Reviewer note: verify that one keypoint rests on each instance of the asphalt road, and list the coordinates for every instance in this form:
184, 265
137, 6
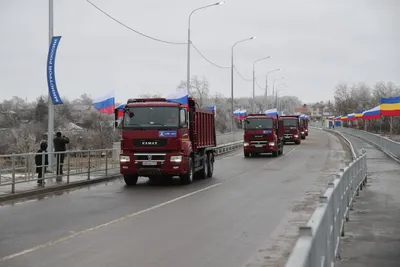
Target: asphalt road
247, 214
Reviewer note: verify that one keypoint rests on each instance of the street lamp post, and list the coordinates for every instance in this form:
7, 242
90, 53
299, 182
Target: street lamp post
254, 79
50, 121
266, 84
273, 85
189, 42
233, 46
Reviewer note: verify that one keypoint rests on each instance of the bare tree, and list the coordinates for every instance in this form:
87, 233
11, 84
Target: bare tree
199, 89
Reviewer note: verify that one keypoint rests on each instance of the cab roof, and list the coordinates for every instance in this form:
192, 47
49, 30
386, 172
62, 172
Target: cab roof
259, 116
153, 104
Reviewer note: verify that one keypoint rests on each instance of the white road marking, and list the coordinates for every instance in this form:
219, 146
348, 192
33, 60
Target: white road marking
50, 243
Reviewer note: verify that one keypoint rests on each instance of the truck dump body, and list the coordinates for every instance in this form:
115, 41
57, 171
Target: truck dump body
202, 132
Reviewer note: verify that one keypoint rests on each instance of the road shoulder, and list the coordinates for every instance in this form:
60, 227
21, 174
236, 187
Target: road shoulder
372, 236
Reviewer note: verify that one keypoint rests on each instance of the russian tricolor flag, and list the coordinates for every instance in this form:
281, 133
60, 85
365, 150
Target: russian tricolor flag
271, 112
372, 114
181, 96
120, 109
242, 114
105, 104
351, 117
214, 108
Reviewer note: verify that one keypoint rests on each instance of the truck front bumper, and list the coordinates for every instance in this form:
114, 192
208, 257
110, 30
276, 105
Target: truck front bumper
291, 137
262, 148
153, 168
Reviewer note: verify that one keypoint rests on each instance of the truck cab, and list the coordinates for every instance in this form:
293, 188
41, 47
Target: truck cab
162, 139
291, 124
263, 134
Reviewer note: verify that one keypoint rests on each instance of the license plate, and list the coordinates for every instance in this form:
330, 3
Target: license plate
149, 163
258, 145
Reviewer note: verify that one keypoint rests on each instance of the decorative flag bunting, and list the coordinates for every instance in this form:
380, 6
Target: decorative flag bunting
181, 96
390, 106
358, 113
372, 114
105, 104
351, 117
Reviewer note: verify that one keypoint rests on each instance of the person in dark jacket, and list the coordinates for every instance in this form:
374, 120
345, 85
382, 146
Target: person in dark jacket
60, 146
41, 166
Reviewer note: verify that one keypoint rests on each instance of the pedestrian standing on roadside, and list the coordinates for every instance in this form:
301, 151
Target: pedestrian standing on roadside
41, 166
60, 147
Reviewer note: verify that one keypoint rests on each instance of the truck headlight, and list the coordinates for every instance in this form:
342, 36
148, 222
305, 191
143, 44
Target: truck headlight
124, 159
302, 132
306, 130
175, 159
295, 136
271, 143
245, 144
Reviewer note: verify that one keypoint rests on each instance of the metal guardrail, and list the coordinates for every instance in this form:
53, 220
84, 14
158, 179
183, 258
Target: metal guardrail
390, 147
78, 165
87, 164
319, 241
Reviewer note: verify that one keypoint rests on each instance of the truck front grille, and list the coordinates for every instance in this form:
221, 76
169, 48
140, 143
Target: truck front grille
149, 157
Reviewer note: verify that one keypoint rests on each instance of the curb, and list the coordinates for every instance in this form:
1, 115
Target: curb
34, 192
55, 188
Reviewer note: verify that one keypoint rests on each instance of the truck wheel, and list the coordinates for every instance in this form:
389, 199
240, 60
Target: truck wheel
204, 172
210, 162
307, 134
187, 178
131, 179
246, 154
280, 151
298, 142
275, 154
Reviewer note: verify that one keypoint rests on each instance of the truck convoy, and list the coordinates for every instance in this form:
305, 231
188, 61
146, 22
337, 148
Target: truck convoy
263, 134
162, 139
291, 124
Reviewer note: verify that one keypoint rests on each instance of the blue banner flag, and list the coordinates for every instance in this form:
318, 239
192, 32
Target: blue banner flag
51, 79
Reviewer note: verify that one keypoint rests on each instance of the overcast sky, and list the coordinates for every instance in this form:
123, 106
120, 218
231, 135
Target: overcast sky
317, 43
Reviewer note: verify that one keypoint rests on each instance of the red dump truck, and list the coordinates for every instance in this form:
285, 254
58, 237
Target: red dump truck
291, 124
263, 134
303, 128
162, 139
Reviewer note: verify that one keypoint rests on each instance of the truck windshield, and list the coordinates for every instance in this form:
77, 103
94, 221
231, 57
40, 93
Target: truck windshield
290, 123
253, 124
151, 118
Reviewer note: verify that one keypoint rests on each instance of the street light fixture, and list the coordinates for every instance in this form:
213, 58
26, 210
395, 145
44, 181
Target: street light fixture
254, 79
189, 42
233, 46
266, 83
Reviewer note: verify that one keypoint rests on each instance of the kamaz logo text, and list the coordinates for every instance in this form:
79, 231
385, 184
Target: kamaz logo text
149, 143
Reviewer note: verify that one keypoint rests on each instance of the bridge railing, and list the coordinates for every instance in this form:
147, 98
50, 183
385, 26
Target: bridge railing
319, 241
385, 144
